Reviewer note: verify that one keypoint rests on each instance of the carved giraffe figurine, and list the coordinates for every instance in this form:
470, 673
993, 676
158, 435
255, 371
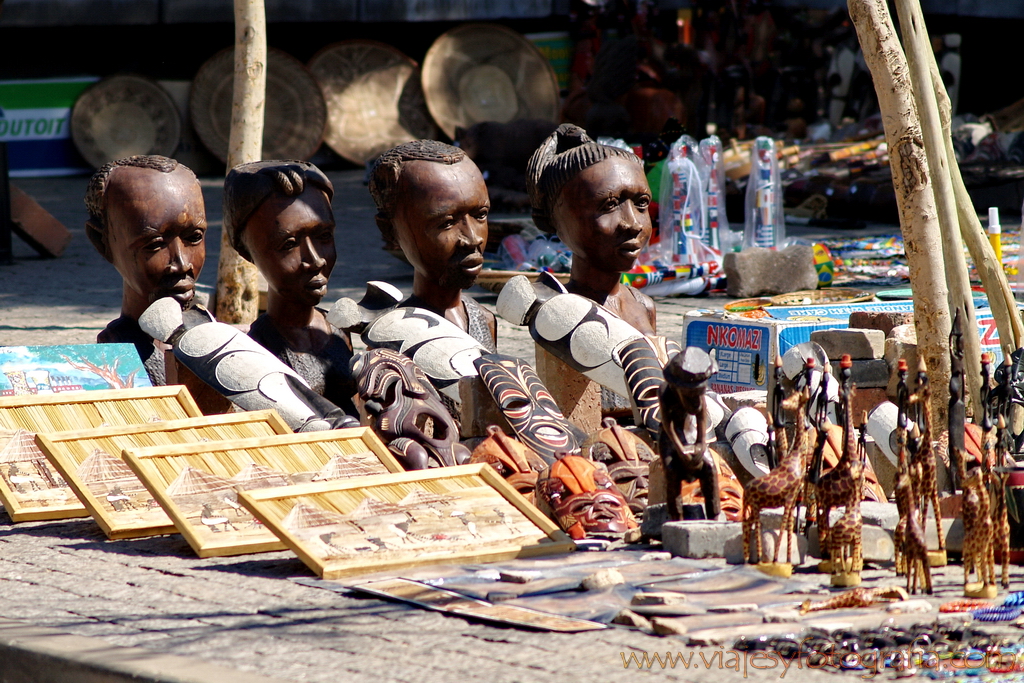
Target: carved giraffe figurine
915, 550
994, 481
901, 464
1000, 520
922, 462
846, 547
837, 486
978, 555
779, 488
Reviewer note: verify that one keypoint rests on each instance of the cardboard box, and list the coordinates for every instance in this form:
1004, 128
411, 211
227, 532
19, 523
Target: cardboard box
746, 348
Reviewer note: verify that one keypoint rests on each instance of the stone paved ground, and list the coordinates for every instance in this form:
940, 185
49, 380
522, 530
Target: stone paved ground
244, 612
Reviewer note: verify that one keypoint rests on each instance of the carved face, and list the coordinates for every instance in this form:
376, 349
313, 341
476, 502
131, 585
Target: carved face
441, 220
583, 499
602, 215
527, 405
627, 459
291, 241
405, 408
156, 226
516, 463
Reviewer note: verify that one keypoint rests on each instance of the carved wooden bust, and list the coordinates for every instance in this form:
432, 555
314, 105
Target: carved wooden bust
432, 200
597, 200
278, 214
147, 218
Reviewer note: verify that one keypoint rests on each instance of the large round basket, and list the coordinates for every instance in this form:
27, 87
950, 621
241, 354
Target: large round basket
122, 116
816, 297
295, 114
485, 72
374, 98
494, 280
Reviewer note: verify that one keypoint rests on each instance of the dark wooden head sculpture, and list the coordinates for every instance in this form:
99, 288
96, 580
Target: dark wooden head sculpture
627, 459
406, 411
516, 463
528, 406
583, 499
684, 453
596, 198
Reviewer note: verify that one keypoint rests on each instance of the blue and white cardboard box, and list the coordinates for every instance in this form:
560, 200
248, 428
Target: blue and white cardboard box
746, 348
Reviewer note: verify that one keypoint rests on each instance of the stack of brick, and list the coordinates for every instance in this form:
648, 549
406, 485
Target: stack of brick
870, 372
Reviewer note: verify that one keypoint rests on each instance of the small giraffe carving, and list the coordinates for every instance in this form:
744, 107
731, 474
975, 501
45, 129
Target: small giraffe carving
915, 550
839, 486
978, 555
922, 456
902, 467
783, 485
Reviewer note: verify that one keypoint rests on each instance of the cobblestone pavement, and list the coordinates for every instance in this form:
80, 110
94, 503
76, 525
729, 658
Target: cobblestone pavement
244, 612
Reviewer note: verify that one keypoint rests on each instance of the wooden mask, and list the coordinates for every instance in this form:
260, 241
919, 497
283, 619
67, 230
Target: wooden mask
516, 463
583, 499
529, 408
406, 411
627, 459
643, 364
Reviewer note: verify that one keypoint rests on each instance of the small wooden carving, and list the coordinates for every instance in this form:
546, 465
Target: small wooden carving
406, 411
583, 499
915, 550
781, 487
682, 444
516, 463
838, 486
627, 458
922, 462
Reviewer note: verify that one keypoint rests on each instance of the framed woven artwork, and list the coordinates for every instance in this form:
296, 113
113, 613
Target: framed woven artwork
30, 488
198, 485
90, 462
382, 523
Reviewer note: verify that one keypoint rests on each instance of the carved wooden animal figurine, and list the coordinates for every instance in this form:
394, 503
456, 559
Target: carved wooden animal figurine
915, 550
902, 464
922, 463
846, 553
838, 486
780, 487
978, 556
1000, 520
684, 452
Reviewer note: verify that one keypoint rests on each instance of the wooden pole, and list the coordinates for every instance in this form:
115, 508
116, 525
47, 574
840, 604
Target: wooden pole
918, 51
237, 289
914, 196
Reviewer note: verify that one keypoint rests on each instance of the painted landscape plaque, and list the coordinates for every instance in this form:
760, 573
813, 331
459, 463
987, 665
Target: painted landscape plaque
35, 490
90, 461
449, 514
41, 370
198, 485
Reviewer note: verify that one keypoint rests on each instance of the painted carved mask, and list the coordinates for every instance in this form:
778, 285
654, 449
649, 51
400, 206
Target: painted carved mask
516, 463
406, 411
643, 363
583, 499
528, 407
627, 458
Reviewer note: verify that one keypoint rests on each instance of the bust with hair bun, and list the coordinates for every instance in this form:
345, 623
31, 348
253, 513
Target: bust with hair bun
596, 199
278, 216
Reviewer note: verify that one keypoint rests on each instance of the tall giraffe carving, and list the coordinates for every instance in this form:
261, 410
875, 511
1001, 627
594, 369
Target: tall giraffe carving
922, 462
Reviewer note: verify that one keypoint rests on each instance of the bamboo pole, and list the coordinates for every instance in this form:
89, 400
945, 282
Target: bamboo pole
918, 51
237, 288
915, 199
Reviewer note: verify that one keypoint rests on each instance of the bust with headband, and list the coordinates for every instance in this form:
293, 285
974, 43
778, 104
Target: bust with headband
596, 199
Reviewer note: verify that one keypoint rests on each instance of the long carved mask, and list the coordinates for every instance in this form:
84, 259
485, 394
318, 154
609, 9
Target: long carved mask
643, 363
528, 407
627, 459
583, 499
406, 411
516, 463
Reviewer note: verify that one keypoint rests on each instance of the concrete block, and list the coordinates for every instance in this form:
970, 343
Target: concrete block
884, 469
755, 398
876, 542
797, 548
860, 344
866, 399
879, 320
756, 271
952, 528
866, 374
901, 343
699, 539
655, 515
884, 515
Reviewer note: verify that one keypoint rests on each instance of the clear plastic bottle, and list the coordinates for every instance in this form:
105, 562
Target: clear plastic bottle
713, 173
764, 224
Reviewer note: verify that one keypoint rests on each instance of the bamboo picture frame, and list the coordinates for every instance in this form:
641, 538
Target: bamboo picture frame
30, 488
90, 462
466, 514
198, 485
